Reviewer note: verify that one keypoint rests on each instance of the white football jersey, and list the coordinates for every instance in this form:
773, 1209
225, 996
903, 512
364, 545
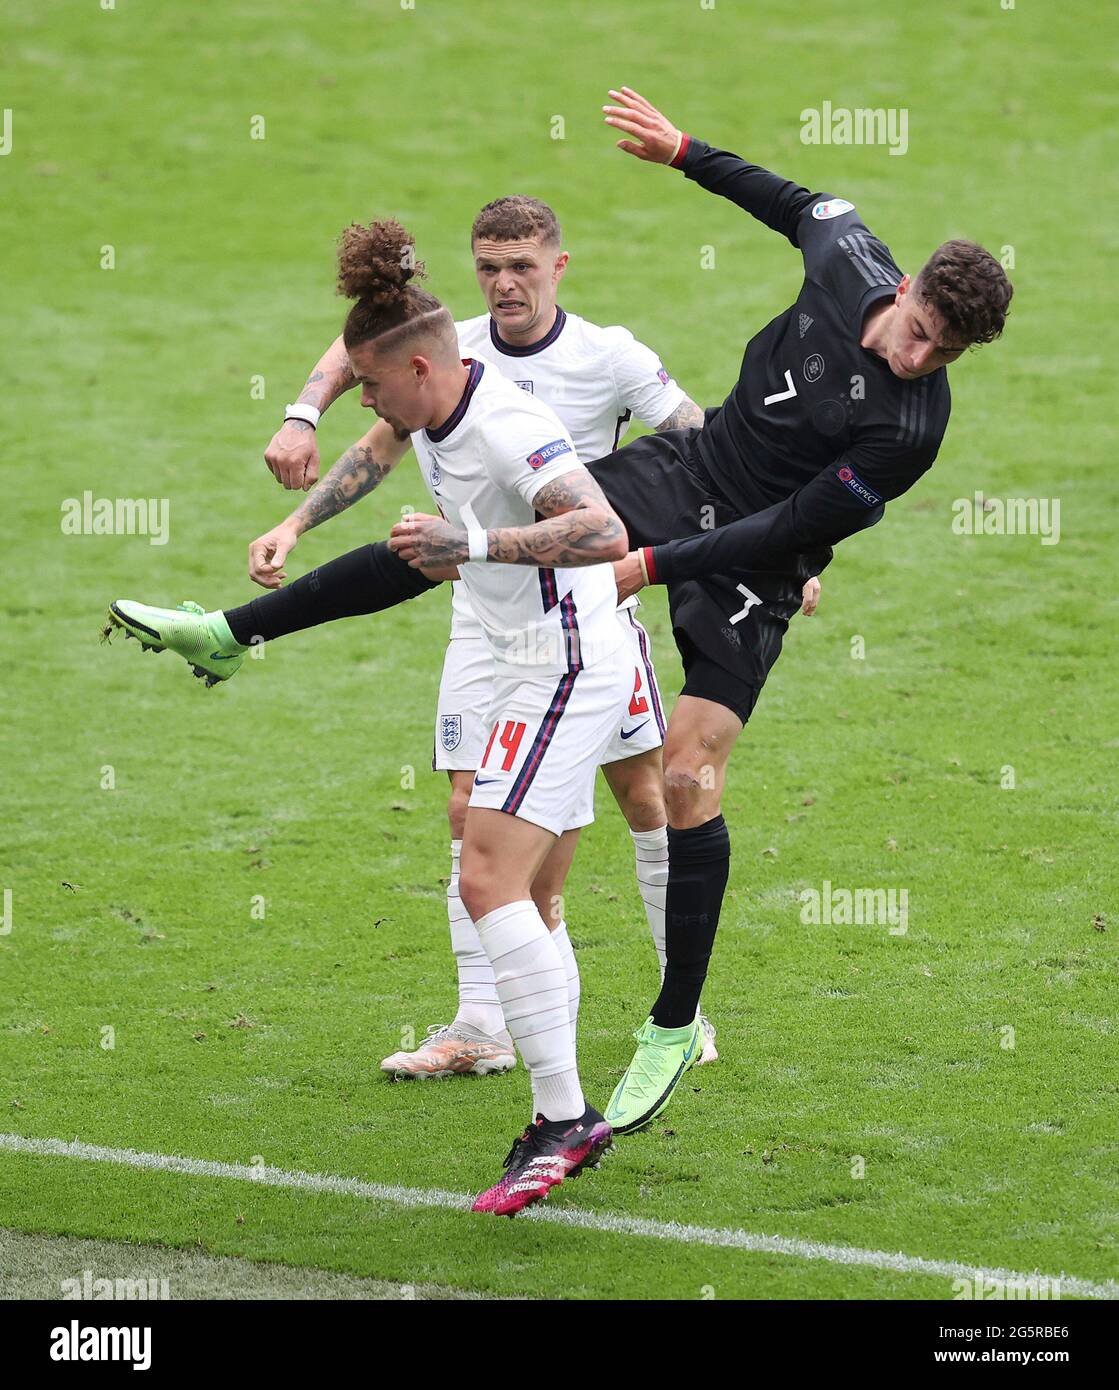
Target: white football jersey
595, 379
485, 464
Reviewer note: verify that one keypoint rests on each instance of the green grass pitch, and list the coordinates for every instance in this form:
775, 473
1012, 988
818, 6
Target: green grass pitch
969, 1063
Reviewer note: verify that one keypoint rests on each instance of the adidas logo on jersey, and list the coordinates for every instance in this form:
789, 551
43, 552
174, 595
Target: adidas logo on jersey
805, 324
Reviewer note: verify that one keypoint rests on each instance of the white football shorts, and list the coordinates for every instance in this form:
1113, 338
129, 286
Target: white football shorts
466, 691
546, 738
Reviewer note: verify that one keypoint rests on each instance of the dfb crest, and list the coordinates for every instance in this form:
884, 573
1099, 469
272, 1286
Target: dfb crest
450, 731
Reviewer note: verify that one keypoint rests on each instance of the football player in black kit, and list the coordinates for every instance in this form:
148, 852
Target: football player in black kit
841, 405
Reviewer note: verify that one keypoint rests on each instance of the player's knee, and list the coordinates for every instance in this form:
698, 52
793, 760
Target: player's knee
682, 782
690, 790
475, 888
457, 803
644, 806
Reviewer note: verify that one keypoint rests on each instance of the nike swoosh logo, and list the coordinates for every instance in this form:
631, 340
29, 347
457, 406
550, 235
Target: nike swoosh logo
688, 1054
485, 781
631, 732
221, 656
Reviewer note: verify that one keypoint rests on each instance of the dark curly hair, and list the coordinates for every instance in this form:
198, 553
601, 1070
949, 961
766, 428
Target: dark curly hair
968, 288
376, 267
516, 218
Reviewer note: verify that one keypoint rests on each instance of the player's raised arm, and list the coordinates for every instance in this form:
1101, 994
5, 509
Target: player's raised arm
579, 528
293, 454
360, 469
771, 199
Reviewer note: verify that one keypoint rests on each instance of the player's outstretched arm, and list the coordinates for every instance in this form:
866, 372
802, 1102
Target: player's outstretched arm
580, 528
293, 454
360, 469
773, 200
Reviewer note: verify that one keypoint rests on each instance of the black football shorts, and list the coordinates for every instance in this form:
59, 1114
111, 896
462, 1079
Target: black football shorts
729, 628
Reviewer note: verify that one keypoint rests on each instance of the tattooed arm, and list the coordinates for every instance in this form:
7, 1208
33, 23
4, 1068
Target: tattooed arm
293, 455
331, 378
686, 416
579, 528
356, 473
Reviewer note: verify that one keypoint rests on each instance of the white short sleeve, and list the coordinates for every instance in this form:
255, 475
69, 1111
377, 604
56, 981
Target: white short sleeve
644, 387
528, 452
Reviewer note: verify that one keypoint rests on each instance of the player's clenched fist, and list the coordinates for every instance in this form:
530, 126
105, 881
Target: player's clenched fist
657, 139
293, 455
810, 596
267, 555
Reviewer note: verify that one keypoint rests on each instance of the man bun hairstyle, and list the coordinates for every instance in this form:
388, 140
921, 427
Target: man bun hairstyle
516, 218
377, 267
968, 288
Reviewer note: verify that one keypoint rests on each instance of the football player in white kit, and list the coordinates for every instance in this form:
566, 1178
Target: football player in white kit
494, 456
595, 379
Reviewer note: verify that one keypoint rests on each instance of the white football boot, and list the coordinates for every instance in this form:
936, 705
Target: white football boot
451, 1049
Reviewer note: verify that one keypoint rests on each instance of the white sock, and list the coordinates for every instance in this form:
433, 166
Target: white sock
532, 987
571, 968
651, 847
478, 1005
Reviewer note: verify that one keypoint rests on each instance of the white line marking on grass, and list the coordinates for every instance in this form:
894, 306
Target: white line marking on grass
716, 1238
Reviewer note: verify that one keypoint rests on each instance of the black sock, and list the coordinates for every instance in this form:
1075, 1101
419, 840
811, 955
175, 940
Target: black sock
366, 580
698, 865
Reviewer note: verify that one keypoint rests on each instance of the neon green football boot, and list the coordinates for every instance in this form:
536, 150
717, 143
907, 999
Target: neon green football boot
202, 639
663, 1056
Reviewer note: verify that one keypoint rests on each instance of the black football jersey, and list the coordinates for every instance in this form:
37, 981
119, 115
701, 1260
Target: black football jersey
818, 433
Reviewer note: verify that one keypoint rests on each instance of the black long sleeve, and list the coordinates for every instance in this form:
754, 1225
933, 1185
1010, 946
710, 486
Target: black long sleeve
844, 498
773, 200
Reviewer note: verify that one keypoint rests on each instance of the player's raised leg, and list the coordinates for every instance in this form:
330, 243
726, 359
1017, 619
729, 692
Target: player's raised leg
367, 580
202, 639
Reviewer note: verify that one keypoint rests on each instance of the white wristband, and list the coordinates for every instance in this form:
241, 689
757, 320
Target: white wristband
477, 540
302, 412
477, 544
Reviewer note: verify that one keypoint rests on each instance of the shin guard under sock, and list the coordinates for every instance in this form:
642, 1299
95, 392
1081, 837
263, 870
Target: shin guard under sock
698, 865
